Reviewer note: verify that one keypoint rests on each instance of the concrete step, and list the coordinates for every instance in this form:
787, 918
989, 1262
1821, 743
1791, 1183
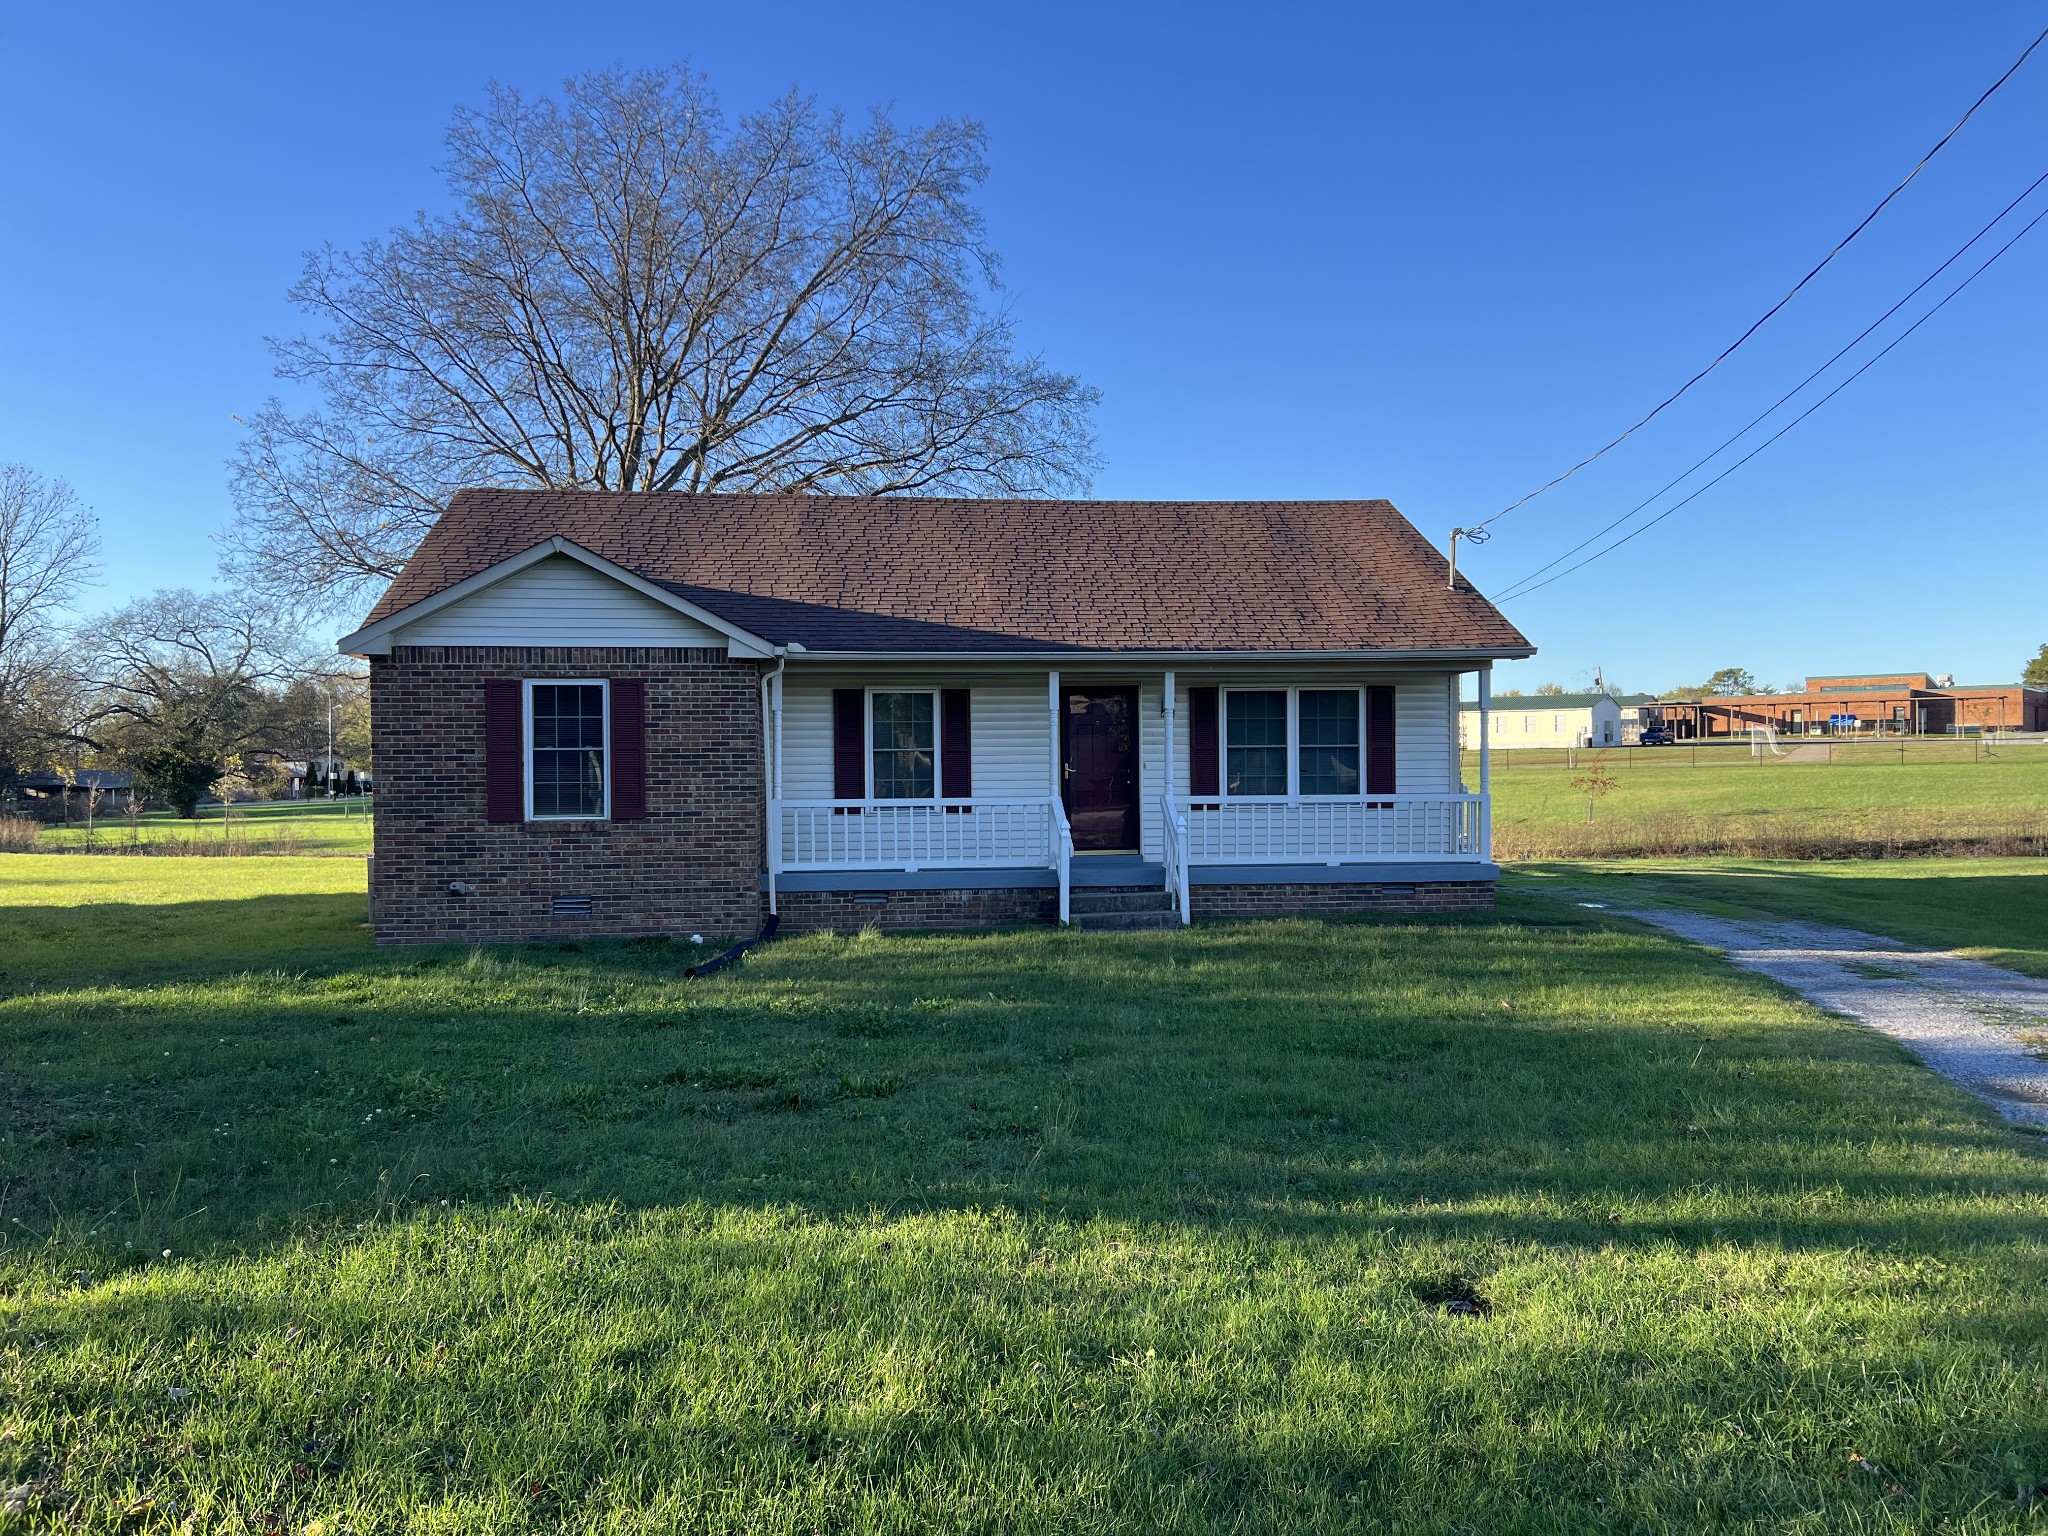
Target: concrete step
1125, 922
1154, 900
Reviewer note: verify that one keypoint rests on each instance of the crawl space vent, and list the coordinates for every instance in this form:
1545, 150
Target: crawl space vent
570, 906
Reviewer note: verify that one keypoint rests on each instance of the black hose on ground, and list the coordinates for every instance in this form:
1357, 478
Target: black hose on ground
720, 962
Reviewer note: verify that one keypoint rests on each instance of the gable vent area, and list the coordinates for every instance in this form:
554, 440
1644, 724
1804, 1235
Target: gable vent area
569, 906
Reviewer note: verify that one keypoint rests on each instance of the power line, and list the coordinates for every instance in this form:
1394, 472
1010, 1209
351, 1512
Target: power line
1840, 246
1823, 400
1514, 588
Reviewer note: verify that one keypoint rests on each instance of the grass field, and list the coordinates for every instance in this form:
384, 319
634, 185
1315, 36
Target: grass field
1865, 803
1995, 909
1536, 1223
282, 827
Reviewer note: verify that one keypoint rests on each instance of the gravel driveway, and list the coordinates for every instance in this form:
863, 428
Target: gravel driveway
1967, 1020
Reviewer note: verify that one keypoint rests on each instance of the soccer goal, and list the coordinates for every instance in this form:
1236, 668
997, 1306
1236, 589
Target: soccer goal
1763, 741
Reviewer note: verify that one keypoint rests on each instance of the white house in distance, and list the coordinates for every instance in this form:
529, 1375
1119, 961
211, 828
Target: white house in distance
1556, 720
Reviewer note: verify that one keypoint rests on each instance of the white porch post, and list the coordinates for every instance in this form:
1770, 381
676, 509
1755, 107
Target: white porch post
1052, 721
1168, 756
1055, 819
1485, 764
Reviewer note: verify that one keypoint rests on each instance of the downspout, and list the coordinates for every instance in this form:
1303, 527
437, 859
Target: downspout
771, 775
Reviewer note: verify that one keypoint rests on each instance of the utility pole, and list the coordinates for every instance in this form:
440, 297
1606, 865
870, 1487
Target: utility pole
1471, 535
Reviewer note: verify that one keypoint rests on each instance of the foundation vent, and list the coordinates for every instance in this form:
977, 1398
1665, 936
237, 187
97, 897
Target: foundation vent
570, 906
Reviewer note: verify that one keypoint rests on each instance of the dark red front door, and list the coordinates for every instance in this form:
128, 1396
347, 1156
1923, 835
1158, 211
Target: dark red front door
1101, 753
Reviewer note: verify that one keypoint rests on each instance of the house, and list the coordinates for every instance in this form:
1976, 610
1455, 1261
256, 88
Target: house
1868, 704
100, 785
312, 778
618, 714
1556, 720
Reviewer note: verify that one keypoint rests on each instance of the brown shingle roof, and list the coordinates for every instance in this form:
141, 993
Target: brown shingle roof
837, 573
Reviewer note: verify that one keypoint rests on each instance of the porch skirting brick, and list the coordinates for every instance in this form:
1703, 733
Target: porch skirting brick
900, 910
851, 911
1331, 899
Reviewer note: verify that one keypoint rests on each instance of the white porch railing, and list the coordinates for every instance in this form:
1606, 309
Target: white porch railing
1335, 831
914, 835
1063, 855
1173, 845
1034, 834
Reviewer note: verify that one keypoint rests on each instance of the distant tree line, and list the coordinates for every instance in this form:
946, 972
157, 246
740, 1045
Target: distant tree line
193, 693
1738, 682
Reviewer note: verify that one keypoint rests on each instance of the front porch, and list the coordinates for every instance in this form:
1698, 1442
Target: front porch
1162, 834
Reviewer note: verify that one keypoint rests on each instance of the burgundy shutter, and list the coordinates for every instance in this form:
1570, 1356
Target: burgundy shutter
504, 751
1205, 775
629, 749
1379, 741
849, 745
956, 744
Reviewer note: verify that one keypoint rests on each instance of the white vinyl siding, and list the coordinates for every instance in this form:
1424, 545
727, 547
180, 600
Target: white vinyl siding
1011, 755
1012, 748
558, 601
1424, 761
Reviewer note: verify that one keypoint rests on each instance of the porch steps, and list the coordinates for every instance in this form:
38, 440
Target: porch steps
1121, 910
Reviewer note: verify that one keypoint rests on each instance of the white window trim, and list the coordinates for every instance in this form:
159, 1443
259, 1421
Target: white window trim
1291, 747
938, 749
526, 734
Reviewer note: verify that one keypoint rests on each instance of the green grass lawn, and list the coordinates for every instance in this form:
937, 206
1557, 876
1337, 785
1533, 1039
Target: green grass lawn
306, 826
1864, 801
1538, 1222
1996, 909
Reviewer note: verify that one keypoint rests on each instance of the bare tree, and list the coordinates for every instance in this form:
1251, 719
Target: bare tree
629, 295
185, 681
49, 544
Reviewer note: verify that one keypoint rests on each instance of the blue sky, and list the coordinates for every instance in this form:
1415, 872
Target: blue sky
1434, 253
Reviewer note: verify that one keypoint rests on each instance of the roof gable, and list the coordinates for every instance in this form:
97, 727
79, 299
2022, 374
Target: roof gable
907, 575
553, 593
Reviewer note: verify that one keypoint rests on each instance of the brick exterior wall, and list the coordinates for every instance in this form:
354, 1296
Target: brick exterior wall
693, 866
1321, 900
841, 912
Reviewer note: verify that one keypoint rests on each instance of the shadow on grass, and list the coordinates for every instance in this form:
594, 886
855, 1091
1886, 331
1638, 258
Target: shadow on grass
1021, 1231
1556, 1082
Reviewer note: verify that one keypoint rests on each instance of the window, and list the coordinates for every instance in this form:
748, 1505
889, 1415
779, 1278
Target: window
1255, 738
565, 743
904, 739
1329, 741
1293, 742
